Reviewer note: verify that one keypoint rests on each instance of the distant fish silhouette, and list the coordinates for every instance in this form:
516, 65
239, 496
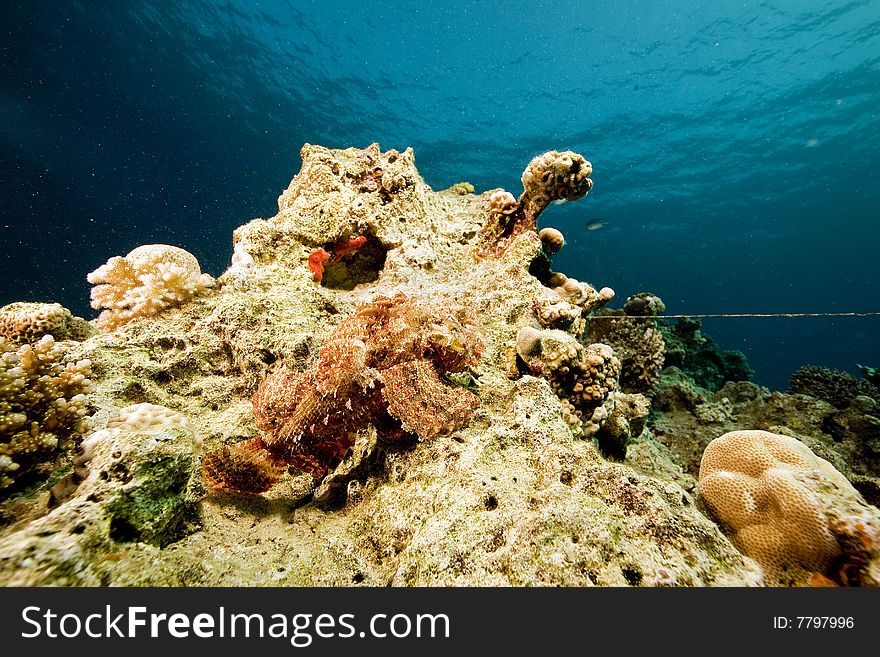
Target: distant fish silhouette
596, 224
559, 201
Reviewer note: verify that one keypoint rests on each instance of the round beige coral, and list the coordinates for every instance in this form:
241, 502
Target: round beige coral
26, 322
148, 280
778, 499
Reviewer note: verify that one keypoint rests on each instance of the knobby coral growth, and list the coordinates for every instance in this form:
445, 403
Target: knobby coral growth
43, 404
383, 366
553, 176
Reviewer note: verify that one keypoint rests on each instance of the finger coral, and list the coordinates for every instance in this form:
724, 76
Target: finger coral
383, 366
148, 280
553, 176
790, 510
43, 404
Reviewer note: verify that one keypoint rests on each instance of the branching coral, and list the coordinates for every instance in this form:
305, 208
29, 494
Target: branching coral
790, 510
549, 177
148, 280
26, 322
381, 366
836, 387
43, 404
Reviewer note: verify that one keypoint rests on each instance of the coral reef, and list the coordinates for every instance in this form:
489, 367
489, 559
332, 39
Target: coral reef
382, 366
43, 405
28, 322
148, 280
585, 378
320, 259
512, 496
836, 387
136, 493
790, 510
699, 356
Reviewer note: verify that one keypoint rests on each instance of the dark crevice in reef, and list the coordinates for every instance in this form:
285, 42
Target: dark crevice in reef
362, 266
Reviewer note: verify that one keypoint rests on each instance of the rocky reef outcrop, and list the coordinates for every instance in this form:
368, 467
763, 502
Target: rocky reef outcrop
491, 440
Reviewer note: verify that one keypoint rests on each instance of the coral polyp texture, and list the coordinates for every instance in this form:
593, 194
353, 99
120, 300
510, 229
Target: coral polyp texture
27, 322
790, 510
43, 405
145, 282
381, 366
552, 176
636, 340
836, 387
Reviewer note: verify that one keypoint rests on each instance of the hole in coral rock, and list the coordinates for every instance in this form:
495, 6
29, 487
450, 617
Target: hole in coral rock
566, 478
491, 503
632, 576
358, 578
350, 267
122, 531
267, 356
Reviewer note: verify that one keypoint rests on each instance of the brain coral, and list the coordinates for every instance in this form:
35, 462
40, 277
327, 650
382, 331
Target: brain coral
43, 404
790, 510
145, 282
26, 322
381, 366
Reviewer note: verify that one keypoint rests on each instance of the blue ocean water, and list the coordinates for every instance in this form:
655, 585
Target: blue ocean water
735, 145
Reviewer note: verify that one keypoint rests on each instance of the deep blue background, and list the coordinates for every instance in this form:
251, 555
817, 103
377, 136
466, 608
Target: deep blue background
735, 145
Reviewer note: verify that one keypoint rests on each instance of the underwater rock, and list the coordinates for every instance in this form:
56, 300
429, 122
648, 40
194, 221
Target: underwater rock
381, 366
510, 495
136, 487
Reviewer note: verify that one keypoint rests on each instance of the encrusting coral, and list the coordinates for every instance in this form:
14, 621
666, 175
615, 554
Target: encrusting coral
382, 366
585, 378
145, 282
43, 404
27, 322
790, 510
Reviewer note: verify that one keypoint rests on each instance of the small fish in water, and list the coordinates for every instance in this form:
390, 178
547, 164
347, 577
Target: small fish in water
560, 201
596, 224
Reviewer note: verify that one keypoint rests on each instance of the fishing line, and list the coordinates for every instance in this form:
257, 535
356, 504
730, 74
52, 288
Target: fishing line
705, 315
